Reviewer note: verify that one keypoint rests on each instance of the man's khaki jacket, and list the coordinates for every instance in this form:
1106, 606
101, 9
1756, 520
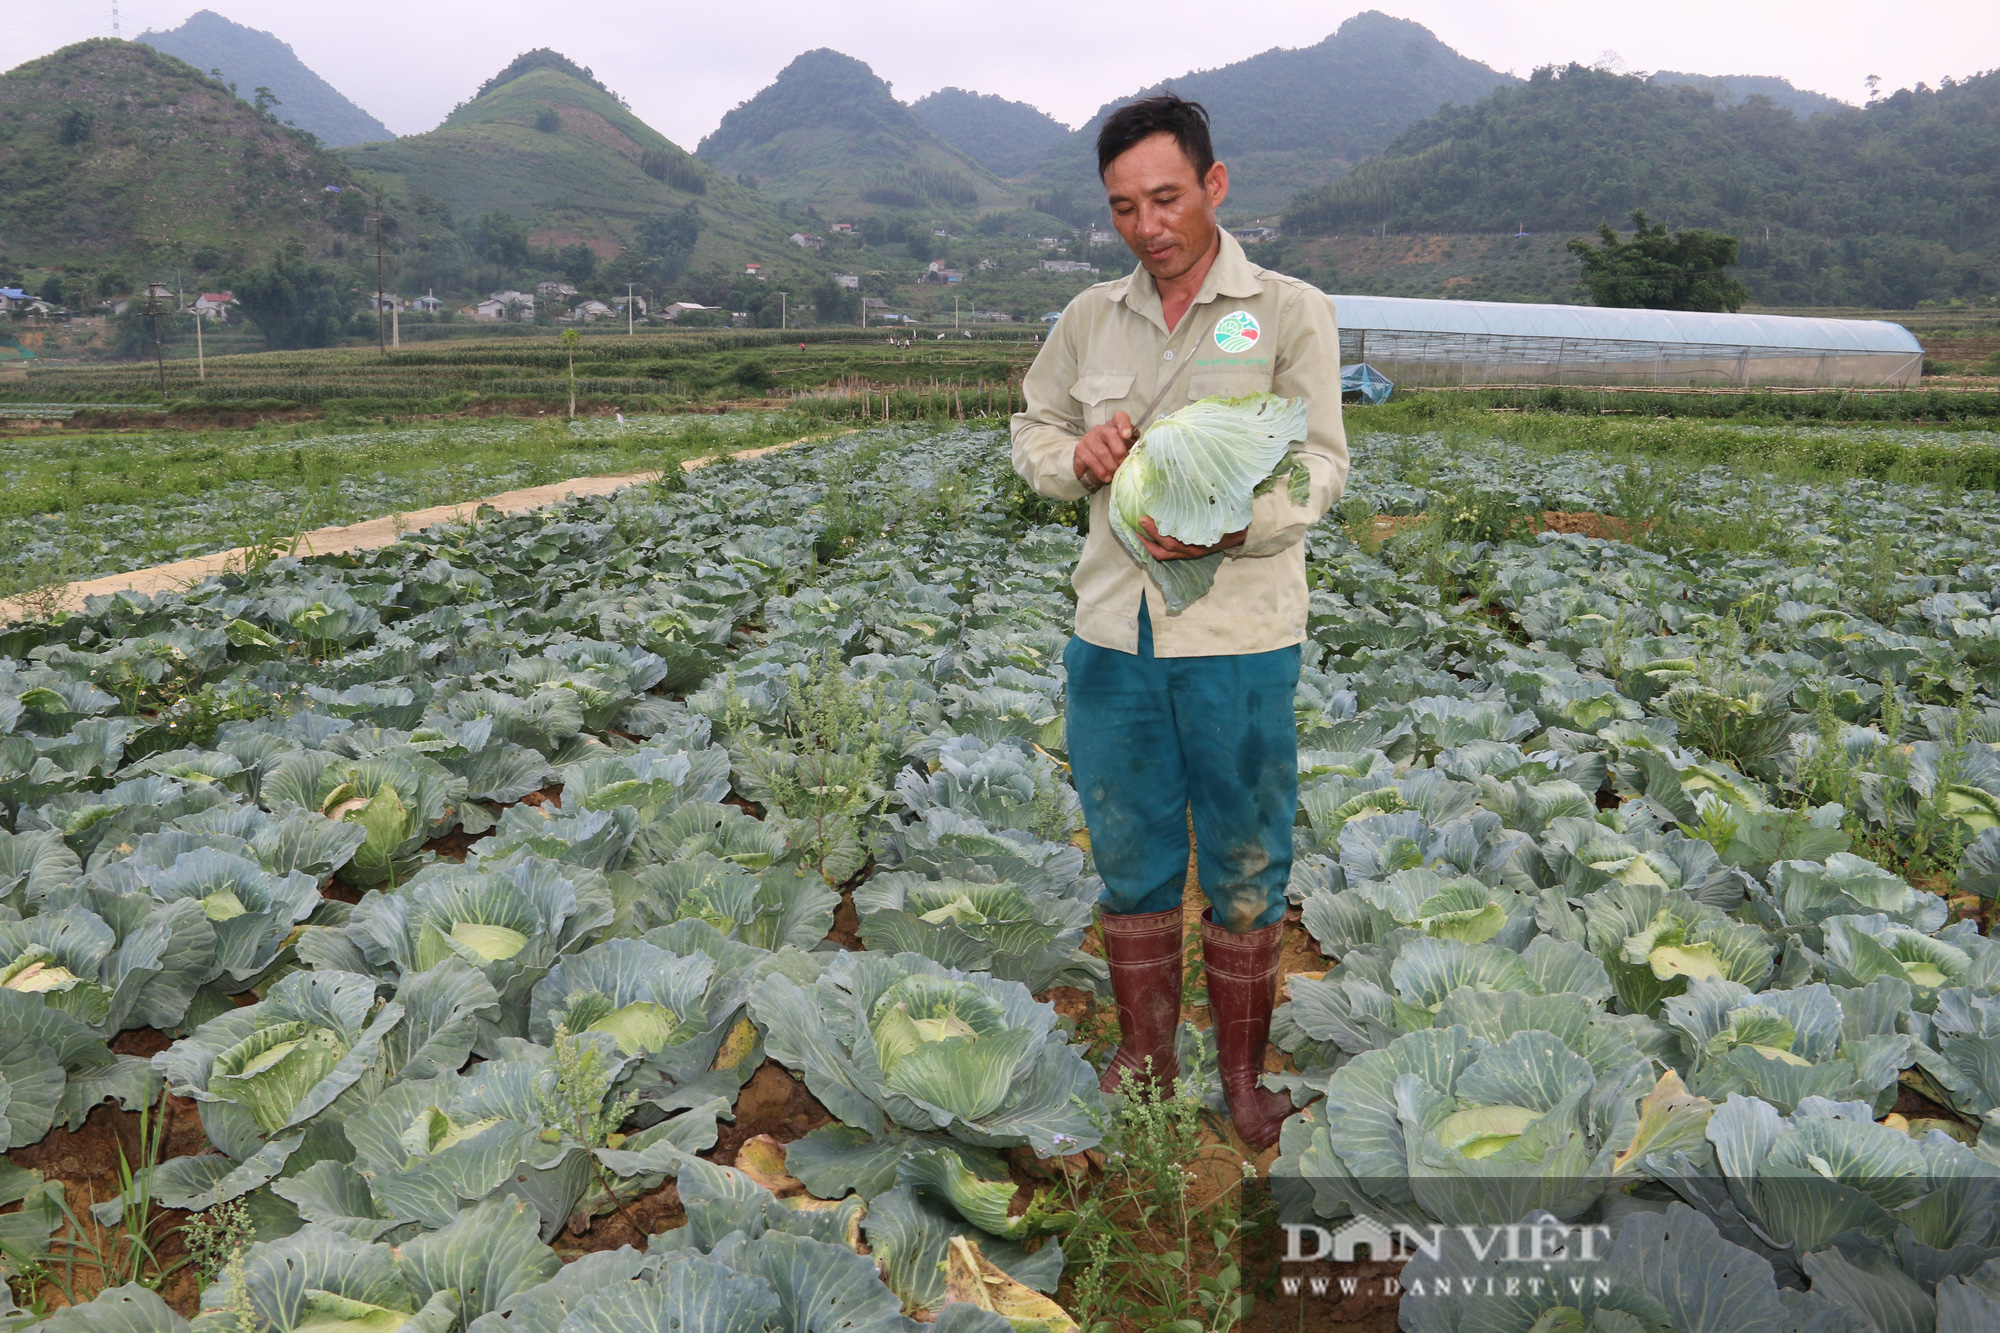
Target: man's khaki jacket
1111, 352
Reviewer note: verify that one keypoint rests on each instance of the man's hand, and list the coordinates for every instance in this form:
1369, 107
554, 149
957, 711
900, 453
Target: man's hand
1166, 548
1102, 449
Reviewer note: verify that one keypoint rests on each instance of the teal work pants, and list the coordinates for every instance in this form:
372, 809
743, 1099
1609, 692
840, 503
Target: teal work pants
1155, 739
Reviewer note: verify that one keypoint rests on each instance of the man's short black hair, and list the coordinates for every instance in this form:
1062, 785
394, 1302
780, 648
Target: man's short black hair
1137, 121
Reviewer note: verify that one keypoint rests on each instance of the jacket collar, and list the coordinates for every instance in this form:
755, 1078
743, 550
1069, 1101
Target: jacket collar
1232, 274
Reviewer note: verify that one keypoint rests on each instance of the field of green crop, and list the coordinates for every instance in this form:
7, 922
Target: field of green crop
78, 506
580, 910
651, 371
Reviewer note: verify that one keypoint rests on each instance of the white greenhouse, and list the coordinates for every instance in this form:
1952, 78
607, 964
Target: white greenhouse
1440, 343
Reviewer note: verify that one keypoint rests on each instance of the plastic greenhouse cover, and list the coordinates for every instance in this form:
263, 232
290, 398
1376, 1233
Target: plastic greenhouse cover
1523, 320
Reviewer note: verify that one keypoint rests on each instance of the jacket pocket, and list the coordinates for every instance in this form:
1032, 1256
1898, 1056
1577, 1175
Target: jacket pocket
1100, 394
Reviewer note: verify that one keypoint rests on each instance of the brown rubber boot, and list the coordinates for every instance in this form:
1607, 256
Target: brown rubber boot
1144, 951
1242, 985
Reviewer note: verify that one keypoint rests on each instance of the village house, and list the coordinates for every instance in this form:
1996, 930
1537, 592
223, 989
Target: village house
639, 306
1254, 233
842, 229
1103, 237
679, 308
852, 281
588, 311
937, 272
753, 270
503, 306
555, 291
387, 301
429, 303
1066, 266
805, 240
13, 298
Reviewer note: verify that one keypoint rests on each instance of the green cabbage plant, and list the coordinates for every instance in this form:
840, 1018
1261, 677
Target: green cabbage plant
1831, 1198
1654, 940
320, 1279
526, 1124
782, 906
1457, 1127
1007, 929
1410, 982
1195, 472
319, 1047
55, 1069
509, 920
896, 1040
673, 1002
1841, 1043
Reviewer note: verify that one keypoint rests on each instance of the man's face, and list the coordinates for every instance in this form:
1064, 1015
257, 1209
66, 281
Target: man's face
1164, 211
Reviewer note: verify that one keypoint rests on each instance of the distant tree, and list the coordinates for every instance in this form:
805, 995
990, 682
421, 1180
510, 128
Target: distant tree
132, 332
668, 234
502, 238
664, 244
578, 262
677, 170
541, 58
1658, 270
293, 302
547, 121
112, 283
76, 127
835, 304
264, 100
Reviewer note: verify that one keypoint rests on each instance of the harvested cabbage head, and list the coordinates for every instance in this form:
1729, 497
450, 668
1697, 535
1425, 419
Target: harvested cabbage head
1196, 472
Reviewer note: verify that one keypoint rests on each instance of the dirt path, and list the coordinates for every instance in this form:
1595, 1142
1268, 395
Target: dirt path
370, 535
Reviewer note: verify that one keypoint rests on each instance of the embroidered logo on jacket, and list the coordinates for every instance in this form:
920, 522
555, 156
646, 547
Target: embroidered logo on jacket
1237, 331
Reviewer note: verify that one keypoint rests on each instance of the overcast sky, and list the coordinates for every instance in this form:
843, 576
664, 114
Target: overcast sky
682, 65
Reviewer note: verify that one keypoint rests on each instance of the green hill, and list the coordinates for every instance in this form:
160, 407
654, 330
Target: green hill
1007, 138
545, 143
118, 158
251, 59
1736, 89
1879, 207
829, 133
1292, 118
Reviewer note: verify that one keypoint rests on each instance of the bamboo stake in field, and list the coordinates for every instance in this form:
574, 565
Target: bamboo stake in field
570, 338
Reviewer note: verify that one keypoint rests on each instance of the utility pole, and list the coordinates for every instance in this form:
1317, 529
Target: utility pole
784, 319
396, 327
154, 291
381, 332
954, 312
629, 328
116, 34
200, 362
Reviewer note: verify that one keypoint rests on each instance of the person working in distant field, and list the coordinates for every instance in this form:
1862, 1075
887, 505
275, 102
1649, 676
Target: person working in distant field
1189, 714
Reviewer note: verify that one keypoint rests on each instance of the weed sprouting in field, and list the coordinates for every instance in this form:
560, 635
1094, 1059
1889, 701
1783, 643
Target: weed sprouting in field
105, 1245
1158, 1232
829, 766
217, 1237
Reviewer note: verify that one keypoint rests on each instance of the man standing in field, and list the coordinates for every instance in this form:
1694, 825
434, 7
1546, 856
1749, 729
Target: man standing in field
1172, 715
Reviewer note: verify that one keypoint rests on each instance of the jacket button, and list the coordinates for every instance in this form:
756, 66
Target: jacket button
1170, 356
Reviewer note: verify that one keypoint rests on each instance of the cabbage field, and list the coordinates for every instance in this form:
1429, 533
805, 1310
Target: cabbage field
670, 912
